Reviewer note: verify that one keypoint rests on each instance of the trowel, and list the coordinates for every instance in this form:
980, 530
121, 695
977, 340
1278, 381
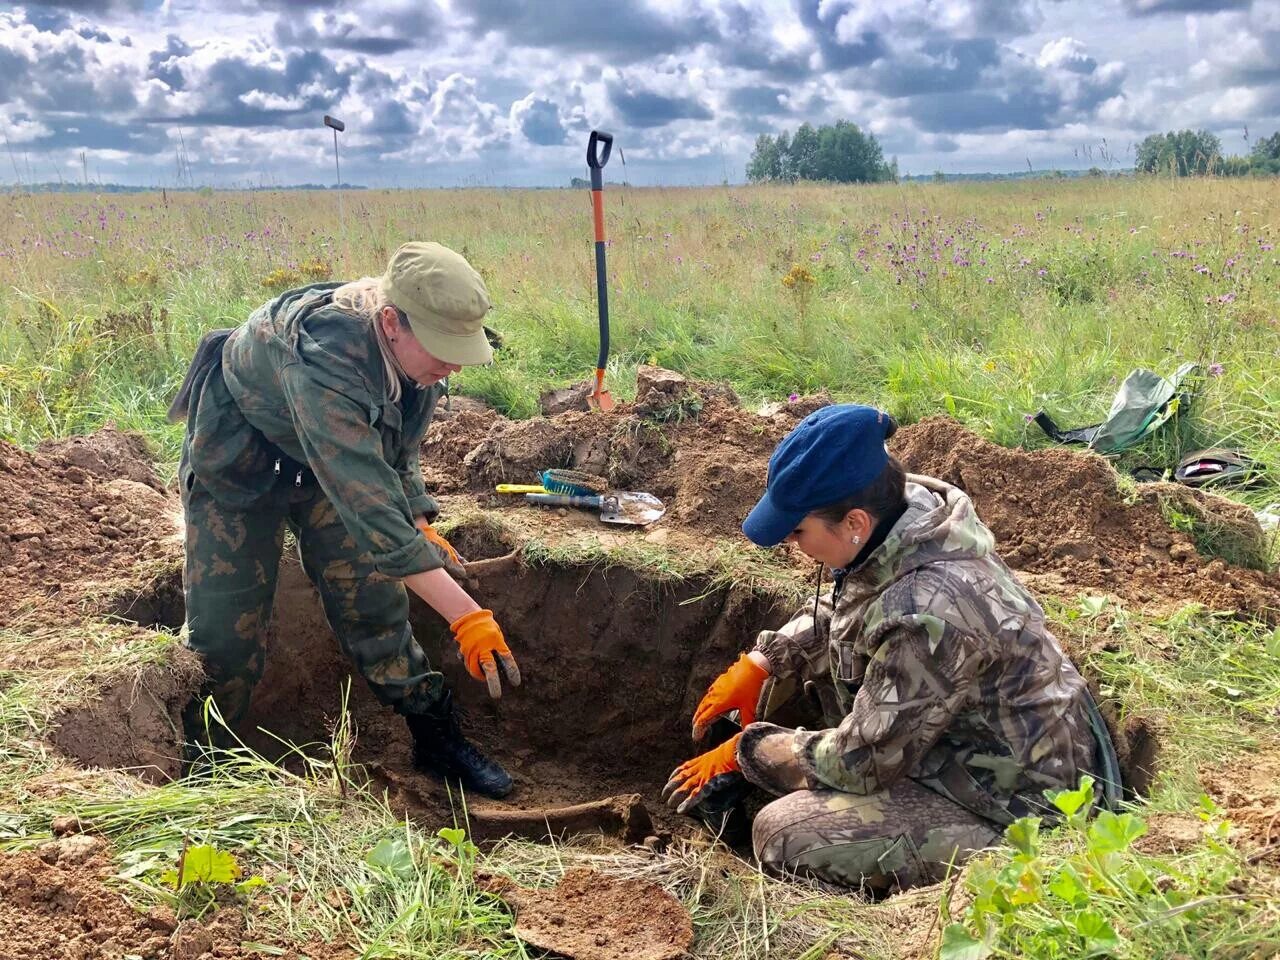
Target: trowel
619, 506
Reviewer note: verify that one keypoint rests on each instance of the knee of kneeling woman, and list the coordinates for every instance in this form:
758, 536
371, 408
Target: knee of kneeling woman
768, 833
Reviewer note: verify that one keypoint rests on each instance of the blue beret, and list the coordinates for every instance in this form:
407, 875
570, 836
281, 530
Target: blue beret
830, 455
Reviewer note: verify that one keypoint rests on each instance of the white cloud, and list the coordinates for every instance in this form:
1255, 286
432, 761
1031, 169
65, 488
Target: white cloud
434, 91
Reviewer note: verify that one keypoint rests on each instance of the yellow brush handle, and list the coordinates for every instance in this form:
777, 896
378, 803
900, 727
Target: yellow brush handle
520, 488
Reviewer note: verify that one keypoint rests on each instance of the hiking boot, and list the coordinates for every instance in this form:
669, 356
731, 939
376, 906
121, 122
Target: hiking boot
439, 748
722, 811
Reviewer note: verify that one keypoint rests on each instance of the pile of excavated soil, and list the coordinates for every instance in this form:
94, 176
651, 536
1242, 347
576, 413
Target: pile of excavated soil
1058, 515
72, 514
55, 902
708, 466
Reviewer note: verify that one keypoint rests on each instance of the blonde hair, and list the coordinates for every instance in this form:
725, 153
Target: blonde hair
365, 298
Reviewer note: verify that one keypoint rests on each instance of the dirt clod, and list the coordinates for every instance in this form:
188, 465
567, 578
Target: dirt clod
73, 514
590, 916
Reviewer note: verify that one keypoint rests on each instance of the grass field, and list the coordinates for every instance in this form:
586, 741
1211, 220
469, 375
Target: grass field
988, 302
985, 301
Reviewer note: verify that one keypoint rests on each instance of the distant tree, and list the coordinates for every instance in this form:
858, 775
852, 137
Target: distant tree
1268, 148
939, 177
1265, 157
1179, 153
765, 164
847, 155
804, 153
786, 169
841, 153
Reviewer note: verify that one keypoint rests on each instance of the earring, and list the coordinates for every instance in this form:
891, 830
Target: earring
856, 540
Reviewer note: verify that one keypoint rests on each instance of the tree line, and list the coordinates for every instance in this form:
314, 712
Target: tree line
1185, 153
840, 152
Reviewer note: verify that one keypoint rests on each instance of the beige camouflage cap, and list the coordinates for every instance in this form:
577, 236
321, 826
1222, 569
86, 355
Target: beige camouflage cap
444, 299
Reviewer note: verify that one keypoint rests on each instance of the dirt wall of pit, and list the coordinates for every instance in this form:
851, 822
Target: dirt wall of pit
613, 663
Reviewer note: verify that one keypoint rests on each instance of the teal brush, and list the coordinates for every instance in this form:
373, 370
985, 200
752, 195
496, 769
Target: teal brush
573, 483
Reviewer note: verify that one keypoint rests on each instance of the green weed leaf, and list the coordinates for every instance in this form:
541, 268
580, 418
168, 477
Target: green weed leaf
959, 944
1112, 832
1273, 644
1093, 605
1071, 802
454, 836
1020, 881
392, 855
203, 864
1067, 885
1023, 835
1099, 936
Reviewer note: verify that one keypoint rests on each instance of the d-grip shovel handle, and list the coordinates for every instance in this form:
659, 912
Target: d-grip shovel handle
564, 500
594, 161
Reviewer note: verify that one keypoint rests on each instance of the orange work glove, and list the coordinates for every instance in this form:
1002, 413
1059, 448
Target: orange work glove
691, 777
454, 564
479, 639
738, 688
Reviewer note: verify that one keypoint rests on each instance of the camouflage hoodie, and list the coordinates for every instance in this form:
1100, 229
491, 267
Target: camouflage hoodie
306, 380
943, 669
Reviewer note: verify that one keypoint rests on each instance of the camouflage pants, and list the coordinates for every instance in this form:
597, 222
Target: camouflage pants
895, 839
232, 562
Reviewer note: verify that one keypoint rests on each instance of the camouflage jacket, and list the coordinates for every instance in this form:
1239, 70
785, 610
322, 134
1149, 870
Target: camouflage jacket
306, 380
943, 668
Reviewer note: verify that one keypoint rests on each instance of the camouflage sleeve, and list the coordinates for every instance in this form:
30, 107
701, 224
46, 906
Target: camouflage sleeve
344, 450
421, 503
796, 648
920, 676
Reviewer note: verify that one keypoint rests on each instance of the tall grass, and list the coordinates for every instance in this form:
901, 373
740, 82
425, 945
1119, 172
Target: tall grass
986, 301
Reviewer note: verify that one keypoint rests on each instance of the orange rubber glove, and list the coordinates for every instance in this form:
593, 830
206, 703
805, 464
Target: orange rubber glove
480, 639
691, 777
738, 688
454, 563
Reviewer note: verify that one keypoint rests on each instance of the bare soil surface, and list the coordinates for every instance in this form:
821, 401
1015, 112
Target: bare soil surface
588, 916
55, 902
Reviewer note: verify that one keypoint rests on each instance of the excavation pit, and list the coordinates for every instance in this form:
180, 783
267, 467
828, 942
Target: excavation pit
613, 659
613, 662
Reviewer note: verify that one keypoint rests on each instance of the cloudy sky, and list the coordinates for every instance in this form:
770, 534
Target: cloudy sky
493, 92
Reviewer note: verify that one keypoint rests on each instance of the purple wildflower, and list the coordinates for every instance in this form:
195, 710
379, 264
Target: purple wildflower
1215, 369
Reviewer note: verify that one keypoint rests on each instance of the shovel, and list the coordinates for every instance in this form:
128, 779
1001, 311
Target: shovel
600, 398
632, 509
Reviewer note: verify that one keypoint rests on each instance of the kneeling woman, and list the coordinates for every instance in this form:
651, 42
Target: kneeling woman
951, 706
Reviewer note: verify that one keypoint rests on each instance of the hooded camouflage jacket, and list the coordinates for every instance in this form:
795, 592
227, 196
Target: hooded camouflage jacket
307, 380
943, 668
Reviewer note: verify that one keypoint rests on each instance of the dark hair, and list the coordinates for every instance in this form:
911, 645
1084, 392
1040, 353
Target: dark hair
885, 494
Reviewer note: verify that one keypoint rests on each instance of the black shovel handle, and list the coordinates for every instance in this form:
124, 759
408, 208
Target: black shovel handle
564, 500
594, 160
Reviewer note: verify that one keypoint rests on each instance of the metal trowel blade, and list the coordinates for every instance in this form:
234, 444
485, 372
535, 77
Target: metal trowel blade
633, 509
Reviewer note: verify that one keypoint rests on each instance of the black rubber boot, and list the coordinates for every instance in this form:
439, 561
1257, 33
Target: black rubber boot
440, 748
722, 810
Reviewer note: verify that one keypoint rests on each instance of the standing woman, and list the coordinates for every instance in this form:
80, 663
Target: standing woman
949, 706
310, 415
